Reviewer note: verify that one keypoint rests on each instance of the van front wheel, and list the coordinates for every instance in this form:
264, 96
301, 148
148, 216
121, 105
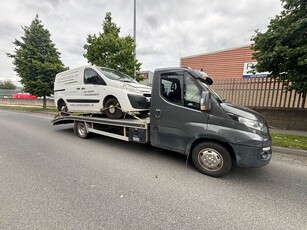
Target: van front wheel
212, 159
113, 110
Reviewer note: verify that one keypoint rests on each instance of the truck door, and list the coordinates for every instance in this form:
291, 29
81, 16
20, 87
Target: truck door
176, 116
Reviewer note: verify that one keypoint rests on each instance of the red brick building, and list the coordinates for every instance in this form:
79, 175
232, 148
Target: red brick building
221, 64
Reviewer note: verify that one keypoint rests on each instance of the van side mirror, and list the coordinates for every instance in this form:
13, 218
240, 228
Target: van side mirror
205, 102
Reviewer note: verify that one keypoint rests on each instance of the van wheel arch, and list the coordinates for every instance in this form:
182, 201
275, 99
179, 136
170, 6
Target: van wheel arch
62, 106
106, 99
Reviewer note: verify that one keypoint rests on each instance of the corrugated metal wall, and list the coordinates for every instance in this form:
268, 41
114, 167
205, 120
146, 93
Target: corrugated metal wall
221, 64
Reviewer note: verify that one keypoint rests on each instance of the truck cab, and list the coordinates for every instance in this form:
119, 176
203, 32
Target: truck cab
188, 117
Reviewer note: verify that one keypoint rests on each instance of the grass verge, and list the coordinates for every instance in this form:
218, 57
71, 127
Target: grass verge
289, 141
31, 109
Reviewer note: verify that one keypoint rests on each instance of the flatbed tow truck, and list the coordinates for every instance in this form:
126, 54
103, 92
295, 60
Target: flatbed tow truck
188, 117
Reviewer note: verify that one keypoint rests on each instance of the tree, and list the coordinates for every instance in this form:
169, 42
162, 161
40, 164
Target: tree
36, 60
282, 49
7, 85
109, 50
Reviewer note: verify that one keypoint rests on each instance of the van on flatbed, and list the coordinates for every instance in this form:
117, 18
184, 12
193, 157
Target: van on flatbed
188, 117
97, 89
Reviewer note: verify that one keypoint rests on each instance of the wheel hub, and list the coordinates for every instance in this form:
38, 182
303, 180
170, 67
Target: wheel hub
82, 129
210, 159
112, 109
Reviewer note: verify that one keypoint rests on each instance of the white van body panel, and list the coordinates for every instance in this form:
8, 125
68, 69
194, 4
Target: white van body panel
70, 87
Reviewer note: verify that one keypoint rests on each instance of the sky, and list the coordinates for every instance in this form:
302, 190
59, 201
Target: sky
165, 29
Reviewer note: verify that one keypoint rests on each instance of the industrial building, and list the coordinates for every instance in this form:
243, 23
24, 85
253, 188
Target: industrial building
147, 77
229, 63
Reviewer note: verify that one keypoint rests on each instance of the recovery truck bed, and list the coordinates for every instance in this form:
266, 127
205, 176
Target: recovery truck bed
129, 129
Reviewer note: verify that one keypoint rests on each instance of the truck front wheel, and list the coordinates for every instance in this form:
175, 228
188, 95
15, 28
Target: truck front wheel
212, 159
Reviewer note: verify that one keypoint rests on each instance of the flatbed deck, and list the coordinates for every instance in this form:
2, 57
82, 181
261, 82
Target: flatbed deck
128, 129
127, 122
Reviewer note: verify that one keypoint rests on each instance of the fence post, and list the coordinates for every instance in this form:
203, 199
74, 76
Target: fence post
304, 100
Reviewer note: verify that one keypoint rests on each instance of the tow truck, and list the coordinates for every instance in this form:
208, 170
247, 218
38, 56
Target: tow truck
188, 117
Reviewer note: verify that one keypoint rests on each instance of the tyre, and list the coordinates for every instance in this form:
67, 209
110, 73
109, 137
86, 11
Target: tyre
80, 129
212, 159
62, 107
113, 110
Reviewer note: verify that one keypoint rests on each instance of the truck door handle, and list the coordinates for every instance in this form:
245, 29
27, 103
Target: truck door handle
157, 113
82, 88
78, 88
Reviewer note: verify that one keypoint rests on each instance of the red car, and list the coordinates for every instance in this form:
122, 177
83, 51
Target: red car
23, 96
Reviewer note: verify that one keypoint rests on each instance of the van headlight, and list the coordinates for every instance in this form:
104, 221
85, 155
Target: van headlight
253, 124
130, 88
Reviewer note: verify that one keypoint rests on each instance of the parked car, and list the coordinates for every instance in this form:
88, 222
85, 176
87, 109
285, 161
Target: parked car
23, 96
94, 89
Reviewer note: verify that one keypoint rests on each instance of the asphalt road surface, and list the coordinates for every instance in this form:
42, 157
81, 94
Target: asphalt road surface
52, 179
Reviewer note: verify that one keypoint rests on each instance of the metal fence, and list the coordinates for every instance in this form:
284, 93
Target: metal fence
8, 92
260, 92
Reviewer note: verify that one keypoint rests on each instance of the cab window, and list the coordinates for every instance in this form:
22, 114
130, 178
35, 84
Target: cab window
181, 90
92, 77
171, 88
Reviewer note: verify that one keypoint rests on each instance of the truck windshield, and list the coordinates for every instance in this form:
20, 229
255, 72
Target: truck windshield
116, 75
202, 74
213, 93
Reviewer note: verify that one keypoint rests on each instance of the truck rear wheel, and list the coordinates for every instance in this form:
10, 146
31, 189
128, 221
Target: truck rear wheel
113, 110
80, 129
212, 159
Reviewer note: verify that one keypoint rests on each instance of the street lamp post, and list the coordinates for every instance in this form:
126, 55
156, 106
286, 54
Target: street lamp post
134, 36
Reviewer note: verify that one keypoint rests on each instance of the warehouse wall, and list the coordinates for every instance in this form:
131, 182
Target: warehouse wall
221, 64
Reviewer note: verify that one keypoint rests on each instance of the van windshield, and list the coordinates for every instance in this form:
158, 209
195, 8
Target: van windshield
116, 75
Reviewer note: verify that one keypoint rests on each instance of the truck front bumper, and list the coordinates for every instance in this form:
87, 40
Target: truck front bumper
255, 157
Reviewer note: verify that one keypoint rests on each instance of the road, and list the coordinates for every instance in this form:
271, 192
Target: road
52, 179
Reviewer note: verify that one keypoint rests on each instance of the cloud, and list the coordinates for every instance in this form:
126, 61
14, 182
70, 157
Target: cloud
166, 30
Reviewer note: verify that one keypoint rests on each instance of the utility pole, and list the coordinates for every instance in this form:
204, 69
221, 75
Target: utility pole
134, 37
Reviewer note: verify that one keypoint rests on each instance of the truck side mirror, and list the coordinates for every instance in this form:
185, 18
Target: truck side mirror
205, 102
206, 80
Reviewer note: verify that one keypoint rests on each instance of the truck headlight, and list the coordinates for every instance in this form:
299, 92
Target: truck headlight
130, 88
253, 124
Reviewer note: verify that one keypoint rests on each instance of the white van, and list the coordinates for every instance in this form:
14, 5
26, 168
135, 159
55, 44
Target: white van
94, 89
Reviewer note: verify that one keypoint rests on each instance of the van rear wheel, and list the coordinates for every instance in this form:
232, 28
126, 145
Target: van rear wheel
212, 159
62, 107
113, 110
